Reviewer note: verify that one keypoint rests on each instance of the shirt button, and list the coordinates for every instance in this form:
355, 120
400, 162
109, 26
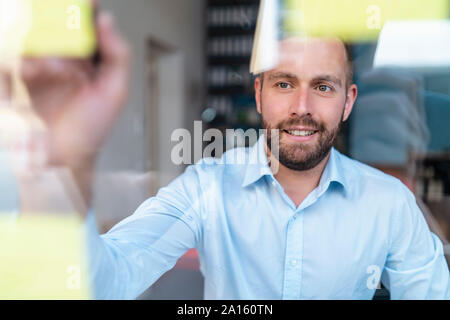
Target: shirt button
293, 262
274, 183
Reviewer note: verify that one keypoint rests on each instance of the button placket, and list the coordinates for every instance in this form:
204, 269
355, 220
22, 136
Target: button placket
293, 259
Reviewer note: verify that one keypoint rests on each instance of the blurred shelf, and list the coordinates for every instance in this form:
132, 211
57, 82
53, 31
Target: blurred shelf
231, 30
232, 60
229, 90
225, 3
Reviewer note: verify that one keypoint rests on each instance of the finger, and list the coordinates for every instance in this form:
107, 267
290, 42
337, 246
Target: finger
113, 48
5, 87
54, 69
94, 3
115, 58
7, 63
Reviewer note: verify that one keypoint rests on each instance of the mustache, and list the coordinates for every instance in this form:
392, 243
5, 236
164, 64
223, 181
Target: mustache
301, 121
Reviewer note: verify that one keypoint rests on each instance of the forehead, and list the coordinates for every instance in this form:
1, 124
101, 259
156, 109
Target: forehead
307, 58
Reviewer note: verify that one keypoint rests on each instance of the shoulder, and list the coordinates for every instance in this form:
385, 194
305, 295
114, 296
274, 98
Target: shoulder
232, 161
211, 173
363, 178
387, 197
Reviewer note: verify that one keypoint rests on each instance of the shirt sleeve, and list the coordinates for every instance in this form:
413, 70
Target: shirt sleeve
415, 267
129, 258
9, 188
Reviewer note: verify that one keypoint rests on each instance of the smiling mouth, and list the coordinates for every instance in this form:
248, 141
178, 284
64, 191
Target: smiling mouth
301, 133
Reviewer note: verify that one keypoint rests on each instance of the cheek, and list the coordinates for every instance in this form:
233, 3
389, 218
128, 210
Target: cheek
329, 111
274, 106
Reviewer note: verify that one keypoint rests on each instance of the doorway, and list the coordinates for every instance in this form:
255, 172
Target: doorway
166, 108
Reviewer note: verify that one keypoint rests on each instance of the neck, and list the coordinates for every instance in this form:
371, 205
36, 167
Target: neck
298, 184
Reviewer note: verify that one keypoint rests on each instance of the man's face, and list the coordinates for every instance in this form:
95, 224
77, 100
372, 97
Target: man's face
306, 98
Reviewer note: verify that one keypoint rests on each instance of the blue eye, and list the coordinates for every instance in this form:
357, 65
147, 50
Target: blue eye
283, 85
324, 88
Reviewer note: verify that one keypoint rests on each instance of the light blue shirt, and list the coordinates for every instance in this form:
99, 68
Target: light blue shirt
9, 189
254, 243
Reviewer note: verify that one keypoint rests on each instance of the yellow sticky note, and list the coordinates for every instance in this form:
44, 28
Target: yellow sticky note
47, 28
42, 257
354, 20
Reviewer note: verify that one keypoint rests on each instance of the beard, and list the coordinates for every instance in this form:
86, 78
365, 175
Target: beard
301, 156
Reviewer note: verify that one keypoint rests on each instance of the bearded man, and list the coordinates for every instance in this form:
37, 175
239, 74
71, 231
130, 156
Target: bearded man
321, 226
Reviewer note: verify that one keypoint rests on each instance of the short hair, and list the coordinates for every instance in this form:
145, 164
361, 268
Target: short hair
348, 51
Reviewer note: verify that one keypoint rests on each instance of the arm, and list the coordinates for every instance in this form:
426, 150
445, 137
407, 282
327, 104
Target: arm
9, 190
79, 102
138, 250
415, 267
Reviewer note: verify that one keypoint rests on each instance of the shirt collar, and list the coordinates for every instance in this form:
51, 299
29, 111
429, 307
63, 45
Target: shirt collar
258, 167
334, 171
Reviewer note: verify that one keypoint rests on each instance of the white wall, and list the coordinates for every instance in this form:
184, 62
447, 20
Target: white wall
178, 23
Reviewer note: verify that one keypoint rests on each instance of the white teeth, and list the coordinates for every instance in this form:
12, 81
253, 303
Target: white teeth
301, 133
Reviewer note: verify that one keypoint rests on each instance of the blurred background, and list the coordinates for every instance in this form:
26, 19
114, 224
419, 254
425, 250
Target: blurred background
191, 61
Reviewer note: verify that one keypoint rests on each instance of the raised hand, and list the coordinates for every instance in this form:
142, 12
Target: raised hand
80, 101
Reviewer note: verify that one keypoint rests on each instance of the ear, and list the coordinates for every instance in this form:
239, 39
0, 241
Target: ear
352, 93
258, 94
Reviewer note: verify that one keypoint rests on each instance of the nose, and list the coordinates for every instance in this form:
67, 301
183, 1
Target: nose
301, 103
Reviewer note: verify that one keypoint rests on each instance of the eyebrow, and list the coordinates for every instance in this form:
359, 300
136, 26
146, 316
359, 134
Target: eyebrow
282, 75
329, 78
292, 77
